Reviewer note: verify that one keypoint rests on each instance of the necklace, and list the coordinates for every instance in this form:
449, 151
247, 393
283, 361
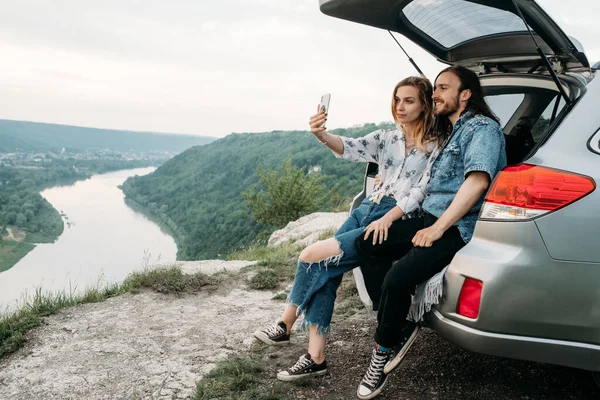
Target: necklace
409, 144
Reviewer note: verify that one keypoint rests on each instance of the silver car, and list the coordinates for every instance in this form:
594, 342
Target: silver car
528, 285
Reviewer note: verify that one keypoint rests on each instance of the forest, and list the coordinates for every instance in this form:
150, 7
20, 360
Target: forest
197, 195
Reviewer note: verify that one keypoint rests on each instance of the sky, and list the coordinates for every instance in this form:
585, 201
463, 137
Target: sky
209, 67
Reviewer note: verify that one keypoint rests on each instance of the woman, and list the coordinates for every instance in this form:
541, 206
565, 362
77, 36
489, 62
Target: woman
404, 156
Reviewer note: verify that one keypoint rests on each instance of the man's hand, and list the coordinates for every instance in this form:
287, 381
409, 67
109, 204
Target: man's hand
467, 196
379, 229
426, 237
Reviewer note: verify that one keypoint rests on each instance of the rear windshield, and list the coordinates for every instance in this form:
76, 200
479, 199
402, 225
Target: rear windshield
452, 22
504, 105
552, 110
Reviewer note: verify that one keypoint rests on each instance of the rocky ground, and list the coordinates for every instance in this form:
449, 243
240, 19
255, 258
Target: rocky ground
156, 346
135, 346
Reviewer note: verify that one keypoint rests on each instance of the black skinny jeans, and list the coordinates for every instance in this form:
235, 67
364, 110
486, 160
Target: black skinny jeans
394, 268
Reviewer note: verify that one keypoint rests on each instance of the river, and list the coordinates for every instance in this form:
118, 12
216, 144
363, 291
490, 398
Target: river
103, 241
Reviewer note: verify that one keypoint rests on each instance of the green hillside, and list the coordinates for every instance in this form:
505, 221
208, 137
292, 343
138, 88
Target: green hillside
32, 136
197, 194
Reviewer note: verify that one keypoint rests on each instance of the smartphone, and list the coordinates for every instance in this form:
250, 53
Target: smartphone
324, 106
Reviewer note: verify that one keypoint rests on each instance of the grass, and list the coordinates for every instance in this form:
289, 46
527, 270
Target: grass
275, 266
348, 302
280, 296
238, 378
39, 238
265, 279
326, 234
348, 308
11, 252
169, 280
348, 287
14, 325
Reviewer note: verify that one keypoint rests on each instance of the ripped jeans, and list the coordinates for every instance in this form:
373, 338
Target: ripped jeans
315, 284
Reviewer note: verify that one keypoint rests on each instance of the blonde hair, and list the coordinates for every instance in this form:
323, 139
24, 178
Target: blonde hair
423, 132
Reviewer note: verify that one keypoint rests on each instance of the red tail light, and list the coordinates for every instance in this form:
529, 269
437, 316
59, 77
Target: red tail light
527, 191
469, 299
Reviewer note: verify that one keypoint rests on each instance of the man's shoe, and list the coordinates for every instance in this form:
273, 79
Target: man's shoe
374, 380
304, 367
275, 335
409, 334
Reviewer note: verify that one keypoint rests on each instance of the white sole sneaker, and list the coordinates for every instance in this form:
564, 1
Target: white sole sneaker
373, 394
394, 362
265, 339
286, 377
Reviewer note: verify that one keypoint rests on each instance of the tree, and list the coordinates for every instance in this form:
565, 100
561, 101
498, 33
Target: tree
286, 195
21, 220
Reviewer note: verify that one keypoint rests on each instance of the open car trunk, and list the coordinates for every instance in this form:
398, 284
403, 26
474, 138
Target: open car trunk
488, 33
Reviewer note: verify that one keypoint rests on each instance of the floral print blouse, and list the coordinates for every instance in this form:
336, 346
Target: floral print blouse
402, 177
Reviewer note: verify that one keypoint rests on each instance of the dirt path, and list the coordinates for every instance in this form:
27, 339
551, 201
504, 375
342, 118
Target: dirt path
10, 235
135, 346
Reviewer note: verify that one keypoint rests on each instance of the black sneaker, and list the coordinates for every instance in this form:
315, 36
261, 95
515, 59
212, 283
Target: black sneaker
275, 335
304, 367
409, 334
374, 380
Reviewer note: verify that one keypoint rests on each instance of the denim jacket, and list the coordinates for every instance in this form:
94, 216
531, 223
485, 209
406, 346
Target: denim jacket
476, 144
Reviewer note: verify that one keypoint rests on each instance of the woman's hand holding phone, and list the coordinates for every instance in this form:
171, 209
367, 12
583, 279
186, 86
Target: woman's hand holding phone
317, 125
317, 121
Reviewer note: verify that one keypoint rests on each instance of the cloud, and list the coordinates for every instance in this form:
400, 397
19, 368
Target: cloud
208, 68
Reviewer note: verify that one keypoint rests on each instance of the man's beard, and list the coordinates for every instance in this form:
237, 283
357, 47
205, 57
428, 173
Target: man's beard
448, 108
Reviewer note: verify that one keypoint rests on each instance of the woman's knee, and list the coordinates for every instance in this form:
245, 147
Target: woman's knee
310, 254
319, 251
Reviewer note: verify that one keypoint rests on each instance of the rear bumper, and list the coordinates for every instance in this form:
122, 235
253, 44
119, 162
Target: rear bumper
560, 352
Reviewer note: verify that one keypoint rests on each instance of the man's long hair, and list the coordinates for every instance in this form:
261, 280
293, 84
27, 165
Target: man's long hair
469, 80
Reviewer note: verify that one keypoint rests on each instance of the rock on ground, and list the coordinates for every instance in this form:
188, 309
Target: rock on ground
135, 346
307, 229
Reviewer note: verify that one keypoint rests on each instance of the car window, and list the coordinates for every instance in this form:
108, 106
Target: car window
505, 105
452, 22
539, 128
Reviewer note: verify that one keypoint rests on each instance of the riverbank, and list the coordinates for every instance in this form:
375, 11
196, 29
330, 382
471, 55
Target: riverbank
103, 239
26, 210
11, 252
17, 243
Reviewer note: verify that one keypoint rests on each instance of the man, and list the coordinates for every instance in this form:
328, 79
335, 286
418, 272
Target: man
460, 176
